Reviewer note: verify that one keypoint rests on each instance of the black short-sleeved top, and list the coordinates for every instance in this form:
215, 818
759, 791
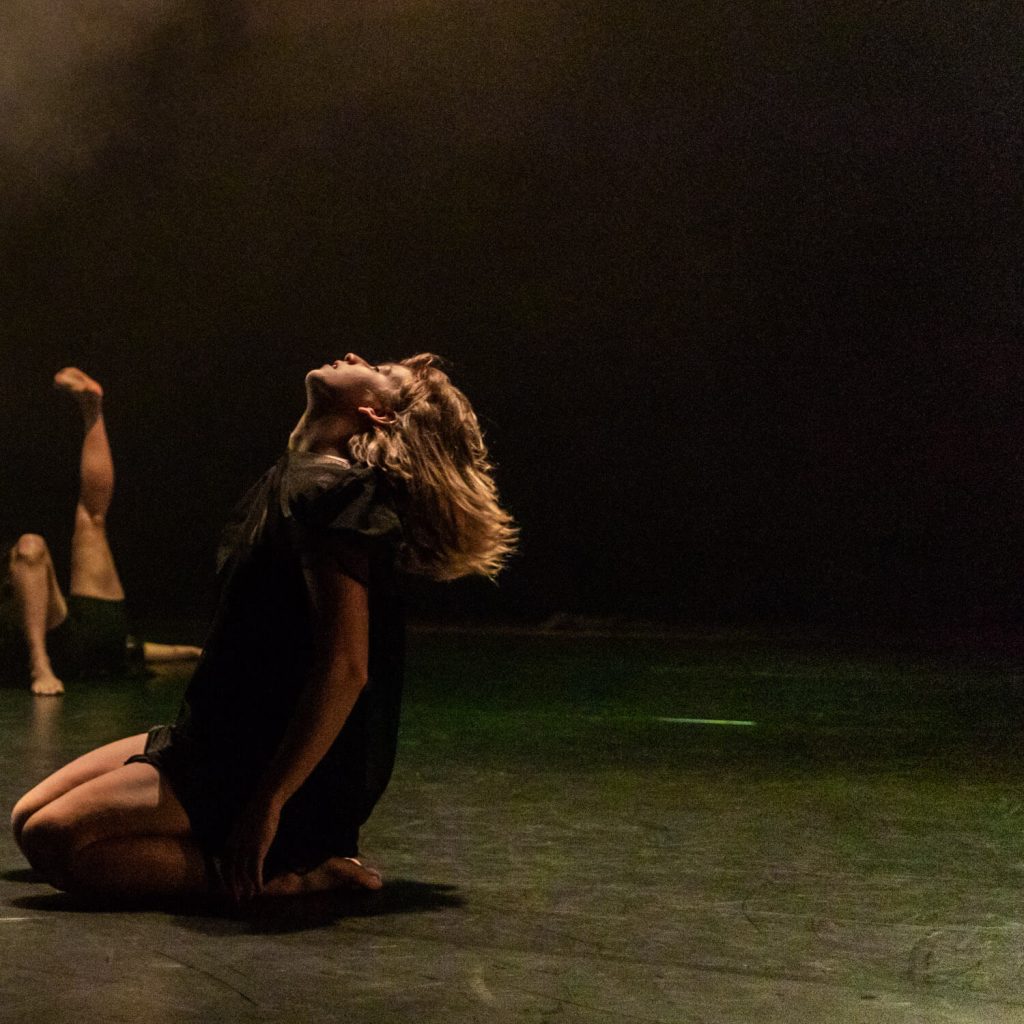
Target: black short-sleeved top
259, 655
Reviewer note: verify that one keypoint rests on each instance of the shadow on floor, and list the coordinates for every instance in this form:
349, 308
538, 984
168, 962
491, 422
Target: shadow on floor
280, 916
21, 875
271, 917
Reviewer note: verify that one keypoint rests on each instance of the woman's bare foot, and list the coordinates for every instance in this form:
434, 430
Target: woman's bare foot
46, 684
335, 873
75, 382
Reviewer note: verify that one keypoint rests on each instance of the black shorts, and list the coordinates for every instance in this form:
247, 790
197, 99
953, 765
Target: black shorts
93, 639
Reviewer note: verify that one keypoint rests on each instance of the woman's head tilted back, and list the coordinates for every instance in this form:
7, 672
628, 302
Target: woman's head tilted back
430, 445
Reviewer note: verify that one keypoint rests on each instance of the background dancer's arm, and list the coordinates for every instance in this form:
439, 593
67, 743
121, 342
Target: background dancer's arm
338, 677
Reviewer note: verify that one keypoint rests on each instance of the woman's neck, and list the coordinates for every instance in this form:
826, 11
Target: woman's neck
323, 434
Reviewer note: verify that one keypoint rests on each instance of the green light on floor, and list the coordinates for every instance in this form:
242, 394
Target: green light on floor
704, 721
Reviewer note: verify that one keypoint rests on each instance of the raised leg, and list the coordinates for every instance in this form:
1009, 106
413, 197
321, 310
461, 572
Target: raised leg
93, 572
42, 607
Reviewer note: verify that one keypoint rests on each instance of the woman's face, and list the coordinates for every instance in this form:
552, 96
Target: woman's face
353, 383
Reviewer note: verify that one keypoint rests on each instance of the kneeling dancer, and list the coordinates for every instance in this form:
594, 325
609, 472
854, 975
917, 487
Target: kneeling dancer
286, 736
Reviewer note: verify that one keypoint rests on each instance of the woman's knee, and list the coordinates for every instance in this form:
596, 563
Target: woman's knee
89, 521
29, 550
48, 843
28, 806
23, 810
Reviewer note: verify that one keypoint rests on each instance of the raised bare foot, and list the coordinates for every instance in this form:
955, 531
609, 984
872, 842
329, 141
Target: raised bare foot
46, 684
78, 383
335, 873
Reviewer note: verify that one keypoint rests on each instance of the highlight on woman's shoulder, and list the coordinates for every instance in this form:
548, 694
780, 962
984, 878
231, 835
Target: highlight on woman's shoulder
433, 452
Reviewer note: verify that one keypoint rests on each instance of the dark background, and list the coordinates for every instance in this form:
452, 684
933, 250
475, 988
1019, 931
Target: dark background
735, 288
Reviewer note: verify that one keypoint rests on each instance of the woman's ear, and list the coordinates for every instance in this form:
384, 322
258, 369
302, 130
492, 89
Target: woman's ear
385, 420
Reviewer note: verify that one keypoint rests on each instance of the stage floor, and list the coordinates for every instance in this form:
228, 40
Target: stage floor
841, 842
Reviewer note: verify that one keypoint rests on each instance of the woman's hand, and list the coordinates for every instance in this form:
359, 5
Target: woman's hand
247, 848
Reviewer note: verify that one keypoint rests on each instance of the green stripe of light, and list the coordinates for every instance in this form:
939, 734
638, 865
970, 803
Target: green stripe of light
704, 721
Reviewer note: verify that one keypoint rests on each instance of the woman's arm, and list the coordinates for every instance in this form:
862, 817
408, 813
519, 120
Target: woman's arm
341, 610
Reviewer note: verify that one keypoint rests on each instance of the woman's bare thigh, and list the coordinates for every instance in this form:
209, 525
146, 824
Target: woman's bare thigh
132, 800
83, 769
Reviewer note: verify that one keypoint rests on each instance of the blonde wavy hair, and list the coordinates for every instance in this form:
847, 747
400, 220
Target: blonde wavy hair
433, 450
